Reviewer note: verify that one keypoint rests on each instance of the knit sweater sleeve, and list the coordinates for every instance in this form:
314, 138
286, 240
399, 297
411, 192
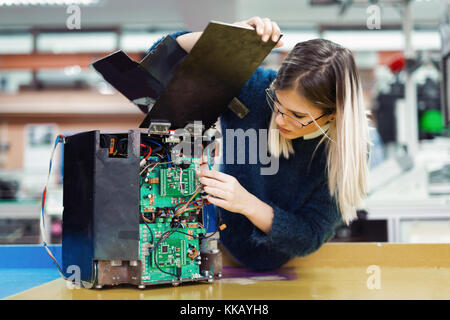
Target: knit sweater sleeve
305, 229
174, 35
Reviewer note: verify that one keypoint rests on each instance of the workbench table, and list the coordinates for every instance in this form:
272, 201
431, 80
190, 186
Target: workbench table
336, 271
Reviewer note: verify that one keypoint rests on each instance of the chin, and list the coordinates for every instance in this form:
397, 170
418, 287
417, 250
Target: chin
289, 135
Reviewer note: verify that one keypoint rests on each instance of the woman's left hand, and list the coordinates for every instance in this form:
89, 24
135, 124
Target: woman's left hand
230, 194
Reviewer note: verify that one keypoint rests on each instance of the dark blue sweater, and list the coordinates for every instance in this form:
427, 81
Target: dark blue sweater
304, 212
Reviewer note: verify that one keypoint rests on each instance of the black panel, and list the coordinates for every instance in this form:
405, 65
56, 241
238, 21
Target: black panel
213, 73
128, 77
78, 202
164, 61
116, 203
146, 79
101, 202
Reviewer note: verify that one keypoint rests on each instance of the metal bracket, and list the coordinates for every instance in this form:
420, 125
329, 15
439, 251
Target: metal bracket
146, 102
159, 128
195, 129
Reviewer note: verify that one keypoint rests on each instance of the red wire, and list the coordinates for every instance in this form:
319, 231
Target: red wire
149, 150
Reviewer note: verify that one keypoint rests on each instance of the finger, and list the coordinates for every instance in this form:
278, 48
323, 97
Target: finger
216, 192
267, 29
258, 24
218, 202
276, 32
211, 182
203, 159
204, 166
279, 44
215, 175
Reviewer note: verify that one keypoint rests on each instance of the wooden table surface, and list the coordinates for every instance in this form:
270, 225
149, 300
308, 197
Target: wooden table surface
336, 271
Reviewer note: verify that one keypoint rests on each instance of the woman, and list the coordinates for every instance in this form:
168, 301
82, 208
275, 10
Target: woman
318, 130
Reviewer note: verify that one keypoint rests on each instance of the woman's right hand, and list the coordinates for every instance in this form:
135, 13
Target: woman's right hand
264, 27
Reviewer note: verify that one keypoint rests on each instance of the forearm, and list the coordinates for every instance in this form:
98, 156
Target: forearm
264, 27
188, 40
260, 214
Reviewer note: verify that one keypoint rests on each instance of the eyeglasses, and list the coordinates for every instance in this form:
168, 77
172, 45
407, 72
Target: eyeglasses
276, 107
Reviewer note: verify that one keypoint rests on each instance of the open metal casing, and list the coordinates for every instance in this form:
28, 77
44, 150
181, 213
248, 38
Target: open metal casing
173, 89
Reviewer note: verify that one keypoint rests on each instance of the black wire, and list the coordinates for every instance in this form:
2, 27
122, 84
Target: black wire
190, 235
206, 237
218, 224
160, 240
167, 234
198, 237
122, 150
156, 250
164, 236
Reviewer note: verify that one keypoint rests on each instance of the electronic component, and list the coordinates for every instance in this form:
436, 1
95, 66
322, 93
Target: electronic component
133, 209
177, 182
176, 242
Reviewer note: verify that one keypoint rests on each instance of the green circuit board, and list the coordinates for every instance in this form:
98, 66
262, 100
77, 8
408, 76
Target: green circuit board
177, 182
169, 255
166, 252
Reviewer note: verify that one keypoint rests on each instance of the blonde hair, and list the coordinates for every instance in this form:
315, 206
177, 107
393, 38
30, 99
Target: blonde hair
332, 85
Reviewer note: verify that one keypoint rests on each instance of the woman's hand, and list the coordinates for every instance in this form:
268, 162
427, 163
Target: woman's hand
225, 191
264, 27
235, 198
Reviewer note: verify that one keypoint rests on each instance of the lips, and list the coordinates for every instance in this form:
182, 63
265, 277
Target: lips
283, 130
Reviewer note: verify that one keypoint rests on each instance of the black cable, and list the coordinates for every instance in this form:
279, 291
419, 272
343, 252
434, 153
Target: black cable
206, 237
159, 241
121, 149
198, 237
156, 250
190, 235
164, 236
167, 234
218, 224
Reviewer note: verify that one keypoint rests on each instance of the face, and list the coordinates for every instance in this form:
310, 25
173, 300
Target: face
298, 107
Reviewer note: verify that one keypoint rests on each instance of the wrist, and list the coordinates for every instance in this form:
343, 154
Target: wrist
259, 213
252, 206
187, 40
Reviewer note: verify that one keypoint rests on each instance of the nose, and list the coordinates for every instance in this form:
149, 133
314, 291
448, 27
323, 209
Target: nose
279, 119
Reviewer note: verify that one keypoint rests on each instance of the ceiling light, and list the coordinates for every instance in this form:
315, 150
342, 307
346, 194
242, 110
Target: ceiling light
18, 3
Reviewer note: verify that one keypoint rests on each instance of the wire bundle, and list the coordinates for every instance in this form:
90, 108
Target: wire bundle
59, 139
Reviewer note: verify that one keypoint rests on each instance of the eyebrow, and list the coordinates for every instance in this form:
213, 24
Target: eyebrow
295, 112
